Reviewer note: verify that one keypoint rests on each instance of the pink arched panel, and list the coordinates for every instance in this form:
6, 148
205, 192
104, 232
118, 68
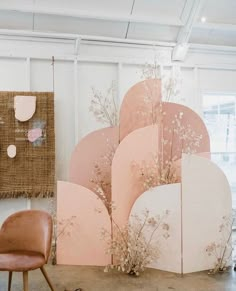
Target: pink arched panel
91, 160
80, 243
137, 147
139, 106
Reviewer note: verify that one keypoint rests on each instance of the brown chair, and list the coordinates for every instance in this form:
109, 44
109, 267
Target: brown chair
25, 241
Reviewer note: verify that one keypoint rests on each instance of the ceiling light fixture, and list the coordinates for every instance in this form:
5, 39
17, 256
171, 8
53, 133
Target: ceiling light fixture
203, 19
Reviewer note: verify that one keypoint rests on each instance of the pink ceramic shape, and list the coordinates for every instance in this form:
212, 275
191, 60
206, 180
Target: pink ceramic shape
25, 107
34, 134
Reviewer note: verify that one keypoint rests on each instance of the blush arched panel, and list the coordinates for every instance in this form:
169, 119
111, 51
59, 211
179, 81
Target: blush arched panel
80, 243
91, 159
137, 147
139, 106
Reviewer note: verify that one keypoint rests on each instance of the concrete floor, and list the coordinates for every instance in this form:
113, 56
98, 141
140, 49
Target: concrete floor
94, 279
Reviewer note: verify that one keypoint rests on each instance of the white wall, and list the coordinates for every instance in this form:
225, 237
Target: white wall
25, 64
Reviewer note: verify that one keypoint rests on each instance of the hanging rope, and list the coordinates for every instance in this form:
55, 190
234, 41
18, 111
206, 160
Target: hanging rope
53, 74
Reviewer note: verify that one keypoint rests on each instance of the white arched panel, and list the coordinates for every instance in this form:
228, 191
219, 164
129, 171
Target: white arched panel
206, 199
157, 201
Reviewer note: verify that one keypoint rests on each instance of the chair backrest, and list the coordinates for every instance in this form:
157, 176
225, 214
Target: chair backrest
29, 230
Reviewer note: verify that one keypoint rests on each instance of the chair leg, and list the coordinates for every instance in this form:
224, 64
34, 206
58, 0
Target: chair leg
46, 277
25, 281
9, 281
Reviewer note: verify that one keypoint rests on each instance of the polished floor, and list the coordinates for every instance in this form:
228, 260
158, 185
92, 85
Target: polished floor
70, 278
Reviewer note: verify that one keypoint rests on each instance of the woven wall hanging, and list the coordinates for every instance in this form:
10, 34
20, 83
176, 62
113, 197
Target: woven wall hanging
31, 173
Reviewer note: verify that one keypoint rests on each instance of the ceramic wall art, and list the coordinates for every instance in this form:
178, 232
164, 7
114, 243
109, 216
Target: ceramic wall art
25, 107
30, 129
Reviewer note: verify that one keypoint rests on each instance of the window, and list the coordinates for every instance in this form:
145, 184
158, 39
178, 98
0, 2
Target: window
219, 114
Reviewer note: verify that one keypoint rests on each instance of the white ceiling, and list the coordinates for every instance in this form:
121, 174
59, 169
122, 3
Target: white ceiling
220, 11
177, 21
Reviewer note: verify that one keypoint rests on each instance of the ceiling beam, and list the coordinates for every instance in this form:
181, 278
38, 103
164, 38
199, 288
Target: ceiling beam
69, 36
89, 39
181, 48
185, 31
68, 12
186, 10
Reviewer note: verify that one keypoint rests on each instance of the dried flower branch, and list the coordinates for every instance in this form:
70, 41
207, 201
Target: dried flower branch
222, 251
171, 83
154, 173
190, 140
162, 168
171, 86
101, 176
65, 226
135, 245
104, 107
152, 70
151, 111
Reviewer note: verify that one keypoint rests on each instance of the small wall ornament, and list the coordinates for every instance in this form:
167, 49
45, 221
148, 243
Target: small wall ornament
25, 107
11, 151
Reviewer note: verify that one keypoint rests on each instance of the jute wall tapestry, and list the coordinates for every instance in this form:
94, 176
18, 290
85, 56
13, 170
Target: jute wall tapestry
30, 171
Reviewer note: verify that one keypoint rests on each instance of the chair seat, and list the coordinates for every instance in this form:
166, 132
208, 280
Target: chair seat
20, 261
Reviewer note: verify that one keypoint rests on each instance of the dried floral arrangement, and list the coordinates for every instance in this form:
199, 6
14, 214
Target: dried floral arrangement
162, 167
104, 106
135, 245
105, 110
222, 251
154, 173
130, 246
